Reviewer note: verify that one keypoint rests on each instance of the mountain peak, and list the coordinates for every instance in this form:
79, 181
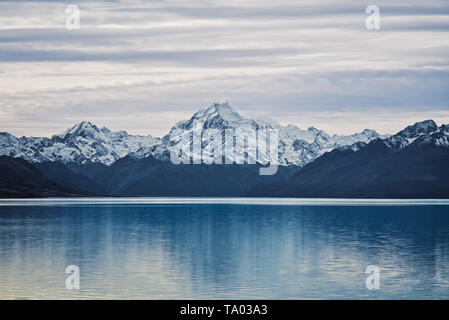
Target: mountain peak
419, 128
219, 115
426, 124
370, 132
221, 106
312, 129
220, 109
86, 125
82, 128
420, 133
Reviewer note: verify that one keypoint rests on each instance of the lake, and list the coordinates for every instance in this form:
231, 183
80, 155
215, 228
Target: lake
224, 248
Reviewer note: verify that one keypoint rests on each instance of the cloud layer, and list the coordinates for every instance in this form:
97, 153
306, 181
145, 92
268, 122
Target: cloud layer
143, 65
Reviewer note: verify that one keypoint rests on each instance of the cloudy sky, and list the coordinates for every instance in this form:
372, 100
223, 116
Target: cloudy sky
143, 65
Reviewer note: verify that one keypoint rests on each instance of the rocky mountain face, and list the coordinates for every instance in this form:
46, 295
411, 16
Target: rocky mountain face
421, 133
410, 164
86, 143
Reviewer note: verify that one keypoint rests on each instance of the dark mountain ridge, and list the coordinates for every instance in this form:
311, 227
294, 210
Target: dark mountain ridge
19, 178
414, 163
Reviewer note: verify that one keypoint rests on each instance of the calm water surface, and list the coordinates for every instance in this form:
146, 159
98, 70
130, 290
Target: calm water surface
224, 251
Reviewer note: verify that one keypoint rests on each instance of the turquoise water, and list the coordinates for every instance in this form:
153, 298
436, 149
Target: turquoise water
278, 249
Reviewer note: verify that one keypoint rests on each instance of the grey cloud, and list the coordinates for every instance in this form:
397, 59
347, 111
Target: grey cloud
199, 57
268, 58
291, 11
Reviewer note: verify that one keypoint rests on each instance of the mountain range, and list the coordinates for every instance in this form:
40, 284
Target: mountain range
86, 143
410, 164
87, 160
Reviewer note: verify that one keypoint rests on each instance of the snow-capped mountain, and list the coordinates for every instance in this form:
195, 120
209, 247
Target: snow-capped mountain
86, 142
296, 146
421, 133
411, 163
83, 142
303, 146
219, 116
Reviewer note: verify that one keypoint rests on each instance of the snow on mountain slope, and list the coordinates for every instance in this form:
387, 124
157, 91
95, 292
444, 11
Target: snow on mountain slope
83, 142
221, 117
296, 146
86, 142
420, 133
